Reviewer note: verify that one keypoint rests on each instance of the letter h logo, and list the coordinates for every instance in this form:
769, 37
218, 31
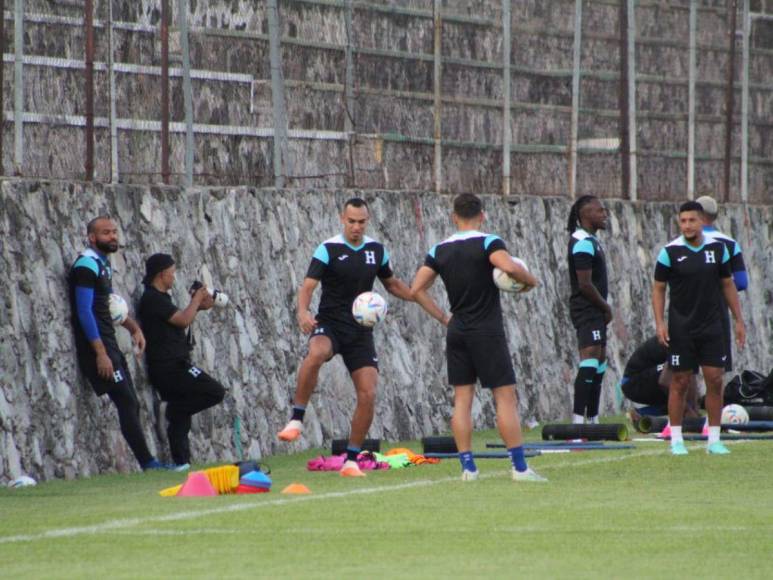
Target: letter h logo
710, 257
674, 360
370, 257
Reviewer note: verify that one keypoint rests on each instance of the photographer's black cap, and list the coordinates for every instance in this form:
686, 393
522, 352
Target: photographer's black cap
155, 264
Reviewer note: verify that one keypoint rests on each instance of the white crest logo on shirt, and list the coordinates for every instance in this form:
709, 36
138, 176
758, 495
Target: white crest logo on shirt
343, 257
681, 258
710, 257
370, 257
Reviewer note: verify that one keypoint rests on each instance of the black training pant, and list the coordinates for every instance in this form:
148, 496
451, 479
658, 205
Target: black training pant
120, 388
187, 390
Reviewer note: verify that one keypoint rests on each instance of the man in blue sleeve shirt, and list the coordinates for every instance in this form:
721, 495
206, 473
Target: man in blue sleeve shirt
737, 266
99, 358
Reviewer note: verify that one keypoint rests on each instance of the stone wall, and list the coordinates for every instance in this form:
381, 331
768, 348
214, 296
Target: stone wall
391, 144
255, 244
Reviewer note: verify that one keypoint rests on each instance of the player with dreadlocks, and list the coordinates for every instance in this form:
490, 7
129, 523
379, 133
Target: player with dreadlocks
588, 306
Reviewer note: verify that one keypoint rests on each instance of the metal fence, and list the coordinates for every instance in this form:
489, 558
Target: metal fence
638, 99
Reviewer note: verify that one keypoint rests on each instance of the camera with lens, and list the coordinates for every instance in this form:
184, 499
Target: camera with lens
220, 298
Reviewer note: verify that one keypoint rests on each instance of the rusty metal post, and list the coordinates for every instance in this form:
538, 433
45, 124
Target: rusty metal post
89, 70
165, 173
88, 22
732, 7
2, 92
623, 104
438, 100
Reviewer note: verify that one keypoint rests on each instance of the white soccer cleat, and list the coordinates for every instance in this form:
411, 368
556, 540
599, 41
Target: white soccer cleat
528, 475
292, 431
469, 475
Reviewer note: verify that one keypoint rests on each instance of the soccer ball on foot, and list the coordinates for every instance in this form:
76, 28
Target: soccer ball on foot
119, 310
505, 282
734, 415
369, 308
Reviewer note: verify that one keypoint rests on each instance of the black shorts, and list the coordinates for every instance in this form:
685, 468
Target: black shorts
591, 331
87, 361
727, 334
355, 345
478, 356
687, 353
643, 388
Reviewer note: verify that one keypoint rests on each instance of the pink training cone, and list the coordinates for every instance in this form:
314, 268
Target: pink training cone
197, 485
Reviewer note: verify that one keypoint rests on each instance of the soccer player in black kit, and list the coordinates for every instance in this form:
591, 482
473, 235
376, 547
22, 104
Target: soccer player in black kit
91, 282
588, 307
346, 266
476, 346
185, 387
696, 269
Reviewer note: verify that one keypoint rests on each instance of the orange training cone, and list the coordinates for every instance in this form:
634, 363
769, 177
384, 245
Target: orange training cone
197, 485
296, 488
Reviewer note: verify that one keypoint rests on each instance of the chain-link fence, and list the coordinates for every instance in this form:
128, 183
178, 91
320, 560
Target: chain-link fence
638, 99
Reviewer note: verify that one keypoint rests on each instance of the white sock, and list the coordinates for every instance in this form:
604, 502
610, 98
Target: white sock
594, 420
676, 434
713, 434
577, 419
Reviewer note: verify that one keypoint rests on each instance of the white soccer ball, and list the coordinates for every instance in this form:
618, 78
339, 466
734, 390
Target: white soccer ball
734, 415
119, 310
505, 282
369, 308
23, 481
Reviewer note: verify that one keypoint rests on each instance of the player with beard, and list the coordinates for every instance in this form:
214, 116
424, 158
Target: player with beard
588, 307
696, 269
99, 358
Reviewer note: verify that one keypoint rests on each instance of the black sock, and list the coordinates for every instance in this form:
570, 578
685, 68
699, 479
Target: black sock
583, 385
594, 397
298, 413
352, 453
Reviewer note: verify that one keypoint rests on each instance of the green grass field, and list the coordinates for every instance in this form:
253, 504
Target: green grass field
610, 514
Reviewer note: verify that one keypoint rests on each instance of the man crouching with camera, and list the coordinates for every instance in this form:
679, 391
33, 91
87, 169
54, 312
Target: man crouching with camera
185, 387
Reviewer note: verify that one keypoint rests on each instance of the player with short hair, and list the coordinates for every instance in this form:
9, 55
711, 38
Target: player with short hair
588, 307
696, 269
737, 266
346, 266
476, 346
90, 282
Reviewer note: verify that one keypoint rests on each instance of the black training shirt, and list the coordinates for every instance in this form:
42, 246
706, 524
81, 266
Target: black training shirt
166, 343
694, 279
345, 272
462, 261
585, 253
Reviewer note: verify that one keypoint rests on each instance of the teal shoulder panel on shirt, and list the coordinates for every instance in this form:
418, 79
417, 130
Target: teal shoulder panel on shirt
87, 262
584, 247
490, 239
725, 254
432, 251
385, 259
664, 258
321, 254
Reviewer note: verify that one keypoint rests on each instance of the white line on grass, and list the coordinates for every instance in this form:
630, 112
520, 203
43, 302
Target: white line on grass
660, 529
189, 515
